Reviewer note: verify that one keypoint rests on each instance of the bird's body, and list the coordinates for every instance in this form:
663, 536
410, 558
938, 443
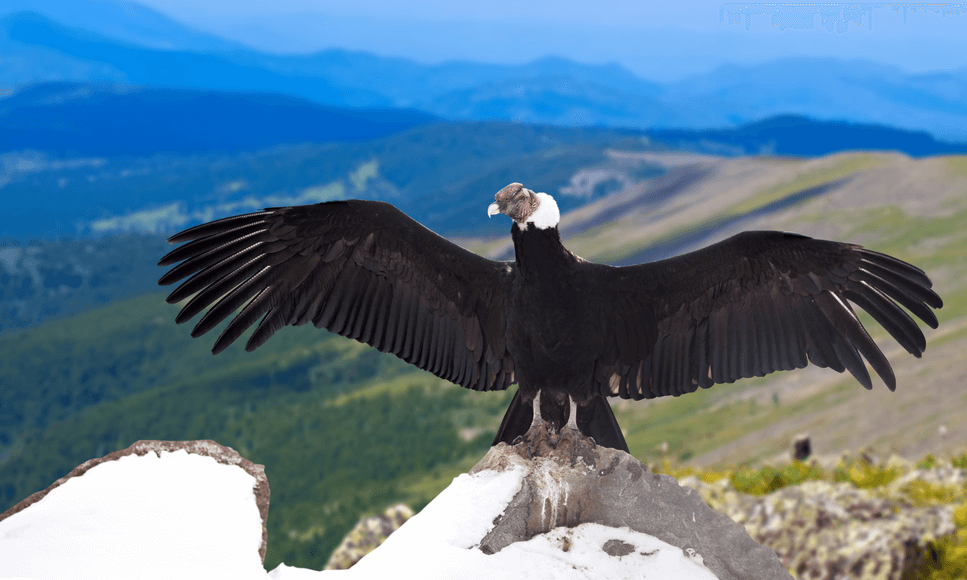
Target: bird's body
555, 333
550, 321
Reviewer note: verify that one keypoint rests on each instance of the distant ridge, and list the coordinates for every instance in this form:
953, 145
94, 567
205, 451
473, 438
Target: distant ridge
41, 49
124, 20
109, 120
801, 136
91, 119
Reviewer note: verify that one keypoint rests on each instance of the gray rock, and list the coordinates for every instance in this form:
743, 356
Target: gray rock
368, 534
802, 448
570, 481
822, 529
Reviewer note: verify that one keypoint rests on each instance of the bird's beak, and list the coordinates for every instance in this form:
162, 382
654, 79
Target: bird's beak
493, 209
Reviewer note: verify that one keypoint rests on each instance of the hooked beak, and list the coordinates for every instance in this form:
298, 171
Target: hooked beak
493, 209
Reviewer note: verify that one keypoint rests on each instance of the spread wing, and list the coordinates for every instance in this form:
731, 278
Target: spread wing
361, 269
753, 304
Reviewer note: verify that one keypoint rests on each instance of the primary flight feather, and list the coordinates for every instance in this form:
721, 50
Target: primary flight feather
574, 331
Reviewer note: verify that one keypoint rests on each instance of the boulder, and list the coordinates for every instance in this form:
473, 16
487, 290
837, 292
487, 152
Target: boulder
822, 529
569, 481
558, 506
369, 533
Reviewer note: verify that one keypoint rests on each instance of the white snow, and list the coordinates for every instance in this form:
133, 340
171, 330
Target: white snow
175, 516
188, 516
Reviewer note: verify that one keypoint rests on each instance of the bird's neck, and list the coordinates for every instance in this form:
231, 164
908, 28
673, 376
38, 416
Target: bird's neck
540, 252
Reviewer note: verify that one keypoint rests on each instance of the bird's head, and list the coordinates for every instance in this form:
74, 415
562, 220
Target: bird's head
526, 207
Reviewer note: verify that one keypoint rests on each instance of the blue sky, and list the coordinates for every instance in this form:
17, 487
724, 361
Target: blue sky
662, 41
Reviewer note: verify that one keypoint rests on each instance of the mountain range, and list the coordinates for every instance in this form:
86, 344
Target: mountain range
69, 118
93, 160
130, 44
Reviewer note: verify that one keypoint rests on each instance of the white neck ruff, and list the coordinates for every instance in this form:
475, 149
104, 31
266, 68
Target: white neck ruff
546, 216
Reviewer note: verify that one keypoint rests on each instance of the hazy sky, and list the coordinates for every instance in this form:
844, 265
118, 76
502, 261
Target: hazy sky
657, 40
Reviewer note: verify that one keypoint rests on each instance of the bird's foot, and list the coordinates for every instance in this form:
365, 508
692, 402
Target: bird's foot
542, 439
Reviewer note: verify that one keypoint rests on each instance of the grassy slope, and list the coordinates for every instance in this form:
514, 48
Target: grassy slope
344, 431
758, 418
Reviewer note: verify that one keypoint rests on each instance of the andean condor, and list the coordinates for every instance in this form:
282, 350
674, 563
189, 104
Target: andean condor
568, 331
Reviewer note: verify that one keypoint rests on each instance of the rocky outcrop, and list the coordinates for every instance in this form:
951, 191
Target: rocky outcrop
822, 529
554, 505
368, 534
569, 481
475, 528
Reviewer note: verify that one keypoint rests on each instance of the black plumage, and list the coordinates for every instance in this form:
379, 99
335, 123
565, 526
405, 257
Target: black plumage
554, 323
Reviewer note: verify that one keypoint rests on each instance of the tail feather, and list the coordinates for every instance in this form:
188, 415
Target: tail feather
597, 421
516, 421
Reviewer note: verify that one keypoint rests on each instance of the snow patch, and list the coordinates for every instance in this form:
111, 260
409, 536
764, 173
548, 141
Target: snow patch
175, 516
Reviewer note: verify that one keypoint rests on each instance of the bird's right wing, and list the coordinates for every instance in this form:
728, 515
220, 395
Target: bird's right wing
753, 304
362, 269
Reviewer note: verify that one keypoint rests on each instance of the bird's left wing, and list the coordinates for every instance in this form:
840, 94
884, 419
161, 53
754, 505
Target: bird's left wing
362, 269
750, 305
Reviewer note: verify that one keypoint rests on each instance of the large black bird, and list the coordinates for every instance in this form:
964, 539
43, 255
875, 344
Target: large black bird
568, 331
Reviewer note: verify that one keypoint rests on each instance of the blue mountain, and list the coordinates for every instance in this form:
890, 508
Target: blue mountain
124, 21
801, 136
125, 120
126, 45
86, 119
114, 61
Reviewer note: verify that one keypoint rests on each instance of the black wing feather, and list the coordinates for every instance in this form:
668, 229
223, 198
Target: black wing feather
754, 304
362, 269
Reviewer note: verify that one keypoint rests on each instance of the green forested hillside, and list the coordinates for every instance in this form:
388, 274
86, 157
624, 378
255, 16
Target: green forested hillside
339, 426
